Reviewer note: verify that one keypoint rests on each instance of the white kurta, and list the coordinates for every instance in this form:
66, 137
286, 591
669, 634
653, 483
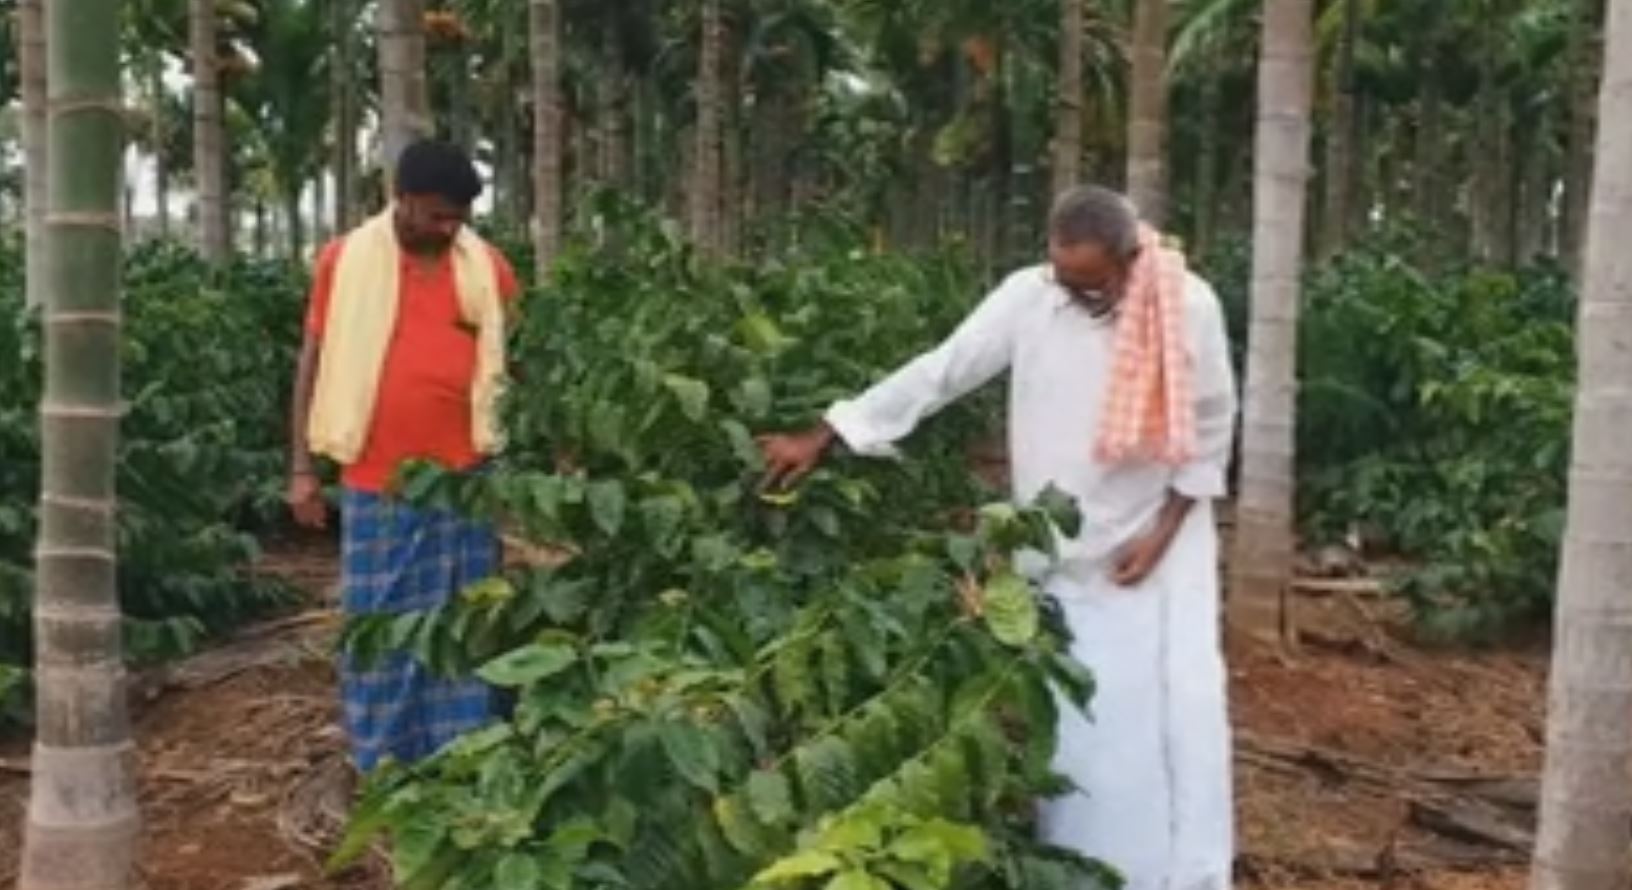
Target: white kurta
1152, 759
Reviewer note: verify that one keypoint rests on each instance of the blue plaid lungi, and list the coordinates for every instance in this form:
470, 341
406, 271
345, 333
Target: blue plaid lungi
397, 558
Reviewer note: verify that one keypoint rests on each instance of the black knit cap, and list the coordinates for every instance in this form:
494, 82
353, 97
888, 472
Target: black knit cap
430, 167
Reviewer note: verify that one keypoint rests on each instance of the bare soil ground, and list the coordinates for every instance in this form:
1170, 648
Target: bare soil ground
1363, 761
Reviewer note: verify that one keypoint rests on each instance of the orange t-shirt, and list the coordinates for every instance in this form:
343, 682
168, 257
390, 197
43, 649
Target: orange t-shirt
422, 410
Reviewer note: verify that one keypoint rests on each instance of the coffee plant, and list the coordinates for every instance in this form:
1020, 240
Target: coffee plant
848, 685
206, 372
1435, 414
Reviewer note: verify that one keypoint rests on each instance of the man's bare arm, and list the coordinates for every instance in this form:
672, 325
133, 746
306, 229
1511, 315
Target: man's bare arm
300, 454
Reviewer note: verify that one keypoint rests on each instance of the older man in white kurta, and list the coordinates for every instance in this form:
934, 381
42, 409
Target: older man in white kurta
1151, 759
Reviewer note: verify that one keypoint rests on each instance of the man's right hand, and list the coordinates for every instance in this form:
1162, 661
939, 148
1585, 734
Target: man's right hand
790, 458
305, 498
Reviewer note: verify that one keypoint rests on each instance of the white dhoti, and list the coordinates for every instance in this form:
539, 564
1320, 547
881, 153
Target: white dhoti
1152, 755
1152, 758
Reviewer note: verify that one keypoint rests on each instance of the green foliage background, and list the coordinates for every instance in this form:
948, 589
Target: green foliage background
200, 461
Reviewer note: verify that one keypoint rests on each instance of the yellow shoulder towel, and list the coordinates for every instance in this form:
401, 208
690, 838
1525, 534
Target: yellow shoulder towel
362, 316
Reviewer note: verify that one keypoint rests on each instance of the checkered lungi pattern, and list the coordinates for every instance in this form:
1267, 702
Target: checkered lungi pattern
398, 558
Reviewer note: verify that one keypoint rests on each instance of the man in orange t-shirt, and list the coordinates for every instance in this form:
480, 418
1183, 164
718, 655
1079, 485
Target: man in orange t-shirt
395, 557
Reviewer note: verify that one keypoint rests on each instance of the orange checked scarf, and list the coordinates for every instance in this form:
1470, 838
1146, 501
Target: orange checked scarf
1149, 413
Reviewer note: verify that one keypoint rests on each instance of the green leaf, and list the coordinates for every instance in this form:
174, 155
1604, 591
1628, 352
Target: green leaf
911, 876
517, 871
860, 830
762, 335
563, 601
771, 796
940, 846
740, 828
791, 677
573, 840
800, 865
662, 517
1011, 609
827, 773
529, 664
964, 551
857, 879
415, 843
743, 446
754, 722
548, 494
691, 393
756, 397
1072, 677
835, 662
1062, 510
607, 503
694, 754
489, 592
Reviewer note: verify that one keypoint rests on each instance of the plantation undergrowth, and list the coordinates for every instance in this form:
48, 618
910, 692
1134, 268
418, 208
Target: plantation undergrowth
1435, 417
720, 686
206, 366
852, 684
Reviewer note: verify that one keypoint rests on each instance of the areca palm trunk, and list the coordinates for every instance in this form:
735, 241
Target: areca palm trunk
1428, 164
1340, 137
1207, 157
82, 815
161, 144
345, 115
1586, 800
1262, 562
611, 113
404, 94
1148, 112
1583, 60
706, 200
209, 139
545, 31
1069, 98
36, 157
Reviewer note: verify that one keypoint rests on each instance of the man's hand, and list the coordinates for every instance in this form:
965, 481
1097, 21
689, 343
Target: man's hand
1140, 557
305, 498
790, 458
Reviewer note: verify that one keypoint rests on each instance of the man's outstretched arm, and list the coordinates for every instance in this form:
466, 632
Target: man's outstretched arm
872, 423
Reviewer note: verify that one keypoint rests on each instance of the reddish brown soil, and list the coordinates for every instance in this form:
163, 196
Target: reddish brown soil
238, 773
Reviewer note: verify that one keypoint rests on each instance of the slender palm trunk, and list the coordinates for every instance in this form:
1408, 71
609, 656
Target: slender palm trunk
83, 821
1147, 118
161, 191
209, 148
161, 145
1583, 58
1430, 202
612, 113
342, 90
707, 192
405, 104
260, 228
1340, 137
507, 160
1262, 563
507, 140
732, 165
1586, 800
31, 60
1069, 100
1207, 159
547, 142
1533, 214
